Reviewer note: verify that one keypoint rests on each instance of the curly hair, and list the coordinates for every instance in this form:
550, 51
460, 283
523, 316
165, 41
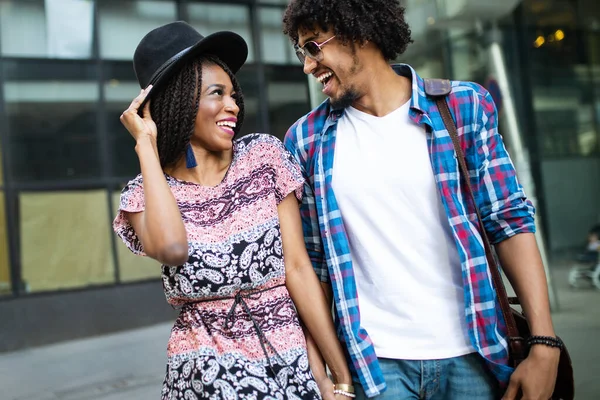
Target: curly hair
175, 106
378, 21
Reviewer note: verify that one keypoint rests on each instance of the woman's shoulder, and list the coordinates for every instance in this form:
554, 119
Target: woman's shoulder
133, 184
132, 195
259, 144
259, 138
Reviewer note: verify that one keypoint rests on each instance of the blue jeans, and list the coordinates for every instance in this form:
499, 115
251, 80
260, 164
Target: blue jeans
458, 378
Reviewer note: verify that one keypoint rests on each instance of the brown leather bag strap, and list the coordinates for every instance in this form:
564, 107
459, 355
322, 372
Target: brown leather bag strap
513, 333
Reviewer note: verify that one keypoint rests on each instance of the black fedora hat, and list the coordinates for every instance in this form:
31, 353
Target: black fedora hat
165, 49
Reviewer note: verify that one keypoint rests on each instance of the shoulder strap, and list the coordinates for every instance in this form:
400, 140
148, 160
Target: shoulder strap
438, 89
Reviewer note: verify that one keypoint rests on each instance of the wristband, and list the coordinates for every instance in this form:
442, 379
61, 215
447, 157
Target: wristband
546, 341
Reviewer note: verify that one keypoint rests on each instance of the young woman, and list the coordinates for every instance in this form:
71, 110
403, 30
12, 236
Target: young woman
221, 215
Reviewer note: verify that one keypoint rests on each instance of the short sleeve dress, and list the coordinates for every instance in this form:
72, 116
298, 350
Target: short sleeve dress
238, 335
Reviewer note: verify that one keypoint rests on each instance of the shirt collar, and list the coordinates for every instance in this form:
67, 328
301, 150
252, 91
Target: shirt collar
418, 101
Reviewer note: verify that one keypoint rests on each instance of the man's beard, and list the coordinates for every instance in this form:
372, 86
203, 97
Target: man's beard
345, 100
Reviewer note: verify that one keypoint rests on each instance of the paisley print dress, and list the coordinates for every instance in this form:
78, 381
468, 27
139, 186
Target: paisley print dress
237, 335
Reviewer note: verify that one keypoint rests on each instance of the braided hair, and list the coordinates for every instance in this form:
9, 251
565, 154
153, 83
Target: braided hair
174, 108
378, 21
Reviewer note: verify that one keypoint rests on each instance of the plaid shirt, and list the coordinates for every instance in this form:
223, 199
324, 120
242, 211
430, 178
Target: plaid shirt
504, 207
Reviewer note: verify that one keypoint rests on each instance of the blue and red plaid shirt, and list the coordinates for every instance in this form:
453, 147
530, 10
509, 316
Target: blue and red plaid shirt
503, 204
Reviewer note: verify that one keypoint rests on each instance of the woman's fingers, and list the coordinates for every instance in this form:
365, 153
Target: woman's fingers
135, 104
146, 112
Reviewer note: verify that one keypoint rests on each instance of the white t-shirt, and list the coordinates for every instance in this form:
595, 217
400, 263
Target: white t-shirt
405, 260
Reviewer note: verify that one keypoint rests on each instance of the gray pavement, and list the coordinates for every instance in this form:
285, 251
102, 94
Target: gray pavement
578, 323
130, 365
127, 365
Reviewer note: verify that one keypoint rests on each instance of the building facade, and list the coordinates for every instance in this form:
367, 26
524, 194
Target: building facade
66, 75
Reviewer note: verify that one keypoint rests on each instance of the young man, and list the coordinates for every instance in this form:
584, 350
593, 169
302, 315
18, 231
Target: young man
389, 227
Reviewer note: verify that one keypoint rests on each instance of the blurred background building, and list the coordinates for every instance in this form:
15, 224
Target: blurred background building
66, 75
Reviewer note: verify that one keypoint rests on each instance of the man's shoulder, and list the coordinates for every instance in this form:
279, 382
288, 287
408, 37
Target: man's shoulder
471, 100
311, 122
468, 90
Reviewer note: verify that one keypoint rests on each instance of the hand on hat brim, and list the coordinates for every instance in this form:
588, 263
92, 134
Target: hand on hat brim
145, 102
139, 127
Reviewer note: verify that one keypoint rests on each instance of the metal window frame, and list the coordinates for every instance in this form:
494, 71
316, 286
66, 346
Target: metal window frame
106, 181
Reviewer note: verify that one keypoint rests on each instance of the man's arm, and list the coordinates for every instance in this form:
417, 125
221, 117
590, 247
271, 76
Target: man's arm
308, 207
522, 263
508, 220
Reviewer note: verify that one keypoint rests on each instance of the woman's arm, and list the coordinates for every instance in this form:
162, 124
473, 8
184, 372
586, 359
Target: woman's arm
318, 368
159, 227
306, 291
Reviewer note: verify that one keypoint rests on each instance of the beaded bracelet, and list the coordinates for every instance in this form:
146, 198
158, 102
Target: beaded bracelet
344, 393
546, 341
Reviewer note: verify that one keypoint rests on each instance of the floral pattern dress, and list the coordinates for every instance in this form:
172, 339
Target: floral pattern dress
237, 335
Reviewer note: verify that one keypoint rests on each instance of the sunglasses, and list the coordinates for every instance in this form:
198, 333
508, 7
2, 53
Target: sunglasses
311, 50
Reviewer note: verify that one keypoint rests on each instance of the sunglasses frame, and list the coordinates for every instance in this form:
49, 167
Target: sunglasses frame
301, 53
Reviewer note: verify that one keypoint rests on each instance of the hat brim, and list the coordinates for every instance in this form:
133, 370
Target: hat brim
229, 47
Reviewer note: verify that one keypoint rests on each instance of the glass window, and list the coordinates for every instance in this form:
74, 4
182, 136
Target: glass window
5, 286
51, 109
1, 167
562, 75
593, 48
208, 18
120, 88
288, 97
122, 24
276, 47
274, 1
469, 60
132, 267
249, 84
65, 240
47, 28
563, 87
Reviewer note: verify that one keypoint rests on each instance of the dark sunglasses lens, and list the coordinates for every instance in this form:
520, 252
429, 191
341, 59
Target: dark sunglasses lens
312, 50
300, 55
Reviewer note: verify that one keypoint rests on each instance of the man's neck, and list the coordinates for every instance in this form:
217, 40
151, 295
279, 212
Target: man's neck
384, 92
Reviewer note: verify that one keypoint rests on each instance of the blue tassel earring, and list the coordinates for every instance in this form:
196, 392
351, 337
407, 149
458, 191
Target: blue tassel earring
190, 159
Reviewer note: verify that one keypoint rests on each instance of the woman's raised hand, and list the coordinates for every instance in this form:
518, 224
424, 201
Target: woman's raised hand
137, 126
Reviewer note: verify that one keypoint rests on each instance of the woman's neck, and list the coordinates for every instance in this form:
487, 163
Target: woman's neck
210, 170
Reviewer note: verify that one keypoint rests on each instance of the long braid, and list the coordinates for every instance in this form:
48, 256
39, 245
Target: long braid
175, 107
176, 104
192, 80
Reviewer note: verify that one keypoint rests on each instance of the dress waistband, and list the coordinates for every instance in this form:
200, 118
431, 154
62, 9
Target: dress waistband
240, 298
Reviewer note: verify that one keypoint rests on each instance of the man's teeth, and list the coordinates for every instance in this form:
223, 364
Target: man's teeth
229, 124
326, 75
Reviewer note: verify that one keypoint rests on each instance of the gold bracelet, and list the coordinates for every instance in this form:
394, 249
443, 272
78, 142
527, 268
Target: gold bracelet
344, 386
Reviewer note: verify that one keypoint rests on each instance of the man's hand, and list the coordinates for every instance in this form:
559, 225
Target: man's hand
535, 377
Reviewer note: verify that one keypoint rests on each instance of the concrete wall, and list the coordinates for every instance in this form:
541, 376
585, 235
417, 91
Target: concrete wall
43, 319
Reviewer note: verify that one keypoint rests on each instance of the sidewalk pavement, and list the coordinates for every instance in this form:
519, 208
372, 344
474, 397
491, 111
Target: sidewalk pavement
130, 365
